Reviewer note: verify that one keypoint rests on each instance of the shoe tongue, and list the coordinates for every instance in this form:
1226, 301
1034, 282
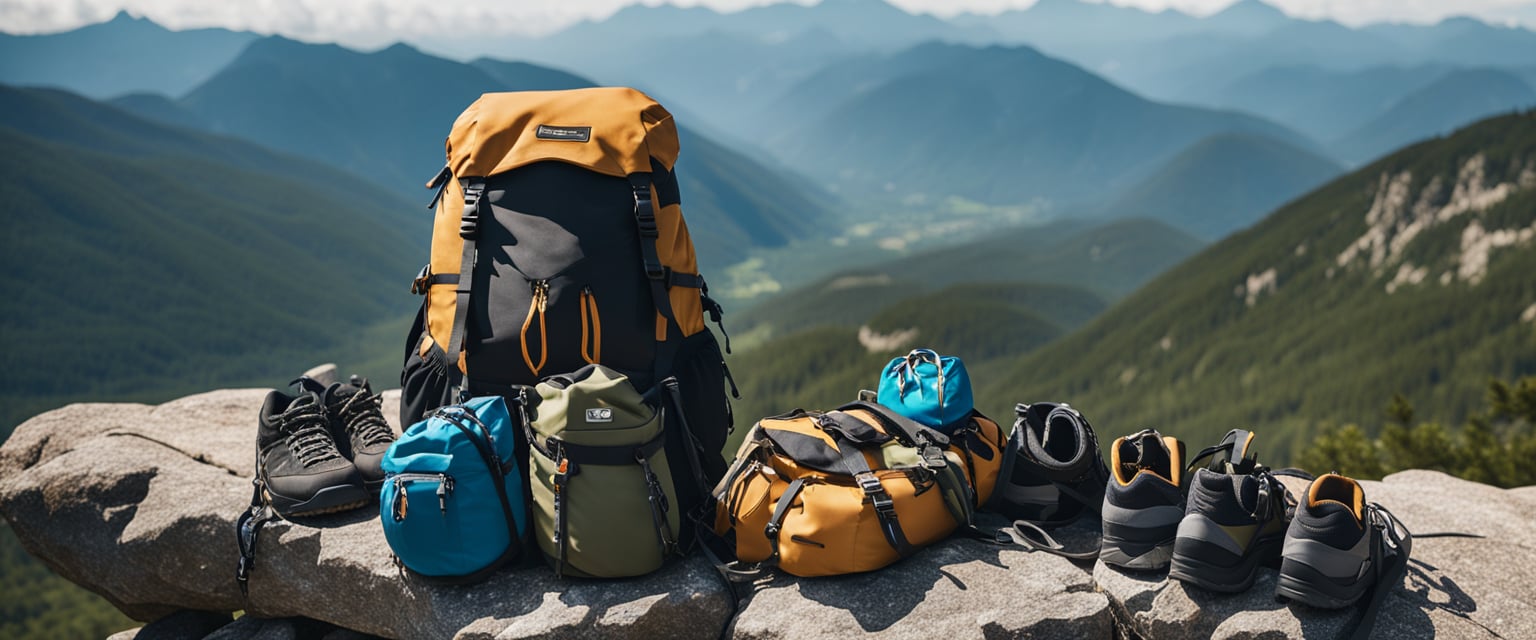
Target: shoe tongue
305, 403
1237, 459
338, 393
1152, 454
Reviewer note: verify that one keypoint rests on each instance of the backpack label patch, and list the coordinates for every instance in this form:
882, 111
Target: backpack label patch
600, 415
567, 134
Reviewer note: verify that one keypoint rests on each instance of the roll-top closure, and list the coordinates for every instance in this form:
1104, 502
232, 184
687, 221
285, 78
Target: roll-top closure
611, 130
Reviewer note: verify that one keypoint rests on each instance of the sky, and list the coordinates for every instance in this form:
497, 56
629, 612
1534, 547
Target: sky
364, 22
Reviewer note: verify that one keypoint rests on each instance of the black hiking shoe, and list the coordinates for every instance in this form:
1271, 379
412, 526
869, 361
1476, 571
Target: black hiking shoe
297, 463
357, 425
1142, 502
1338, 545
1235, 520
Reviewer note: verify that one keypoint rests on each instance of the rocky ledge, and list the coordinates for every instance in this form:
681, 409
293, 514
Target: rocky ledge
137, 503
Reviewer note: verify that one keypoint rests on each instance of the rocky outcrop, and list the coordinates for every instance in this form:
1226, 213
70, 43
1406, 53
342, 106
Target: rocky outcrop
137, 503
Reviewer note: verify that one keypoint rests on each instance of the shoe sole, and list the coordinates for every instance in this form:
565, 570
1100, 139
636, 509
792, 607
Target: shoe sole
1302, 583
328, 500
1137, 556
1225, 579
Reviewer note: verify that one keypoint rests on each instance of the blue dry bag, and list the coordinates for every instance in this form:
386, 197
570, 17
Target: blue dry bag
931, 389
452, 503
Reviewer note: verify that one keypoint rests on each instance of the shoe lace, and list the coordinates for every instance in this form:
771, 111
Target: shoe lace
307, 436
364, 418
1271, 492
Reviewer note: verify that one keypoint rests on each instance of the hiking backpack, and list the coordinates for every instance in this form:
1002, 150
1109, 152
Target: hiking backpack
559, 242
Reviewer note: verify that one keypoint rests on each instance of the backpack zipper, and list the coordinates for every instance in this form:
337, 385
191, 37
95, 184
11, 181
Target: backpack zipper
592, 322
536, 306
402, 503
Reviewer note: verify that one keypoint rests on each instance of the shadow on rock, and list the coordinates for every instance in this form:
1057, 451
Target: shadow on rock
947, 589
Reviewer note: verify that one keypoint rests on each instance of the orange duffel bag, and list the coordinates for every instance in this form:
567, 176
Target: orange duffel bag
841, 492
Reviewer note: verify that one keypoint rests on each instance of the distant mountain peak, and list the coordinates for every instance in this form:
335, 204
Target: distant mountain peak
399, 48
1248, 17
1251, 9
124, 17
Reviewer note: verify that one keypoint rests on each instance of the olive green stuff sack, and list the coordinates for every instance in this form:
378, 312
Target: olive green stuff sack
603, 495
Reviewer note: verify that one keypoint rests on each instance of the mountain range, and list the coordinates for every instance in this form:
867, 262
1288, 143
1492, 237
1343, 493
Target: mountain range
328, 103
816, 90
1410, 275
149, 259
122, 55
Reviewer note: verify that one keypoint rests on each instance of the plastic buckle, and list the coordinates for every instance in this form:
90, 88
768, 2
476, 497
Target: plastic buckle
648, 228
419, 283
876, 492
933, 458
469, 221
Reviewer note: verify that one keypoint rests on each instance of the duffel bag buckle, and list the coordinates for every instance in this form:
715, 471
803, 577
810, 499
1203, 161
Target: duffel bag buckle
876, 492
933, 457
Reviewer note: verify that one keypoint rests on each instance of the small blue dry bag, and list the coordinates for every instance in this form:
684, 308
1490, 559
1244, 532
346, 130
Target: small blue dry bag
931, 389
452, 502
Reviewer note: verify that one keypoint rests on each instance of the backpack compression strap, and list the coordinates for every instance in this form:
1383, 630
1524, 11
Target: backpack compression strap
469, 230
658, 275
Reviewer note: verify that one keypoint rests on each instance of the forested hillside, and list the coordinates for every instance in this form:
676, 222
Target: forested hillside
1412, 275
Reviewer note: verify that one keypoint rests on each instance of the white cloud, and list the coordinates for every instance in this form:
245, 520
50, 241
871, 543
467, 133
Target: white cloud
376, 22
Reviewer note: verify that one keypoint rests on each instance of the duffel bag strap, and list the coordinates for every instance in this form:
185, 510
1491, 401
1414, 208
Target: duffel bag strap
776, 523
906, 429
885, 507
1033, 538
